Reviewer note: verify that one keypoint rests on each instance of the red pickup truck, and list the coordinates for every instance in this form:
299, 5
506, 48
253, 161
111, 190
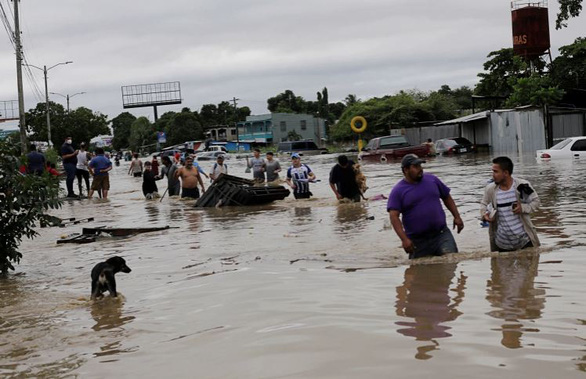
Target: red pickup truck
388, 148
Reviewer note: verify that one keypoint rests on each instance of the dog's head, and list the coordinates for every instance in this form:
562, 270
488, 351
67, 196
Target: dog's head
119, 264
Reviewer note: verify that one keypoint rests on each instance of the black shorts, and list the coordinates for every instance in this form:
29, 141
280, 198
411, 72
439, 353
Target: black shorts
138, 174
354, 198
190, 192
302, 195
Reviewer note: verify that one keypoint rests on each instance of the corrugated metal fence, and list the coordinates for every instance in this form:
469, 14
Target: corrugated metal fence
417, 136
568, 125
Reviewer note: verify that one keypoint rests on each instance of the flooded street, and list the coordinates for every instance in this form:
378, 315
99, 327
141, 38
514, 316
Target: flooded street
303, 288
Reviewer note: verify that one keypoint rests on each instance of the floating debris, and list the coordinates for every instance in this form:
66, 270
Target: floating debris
230, 190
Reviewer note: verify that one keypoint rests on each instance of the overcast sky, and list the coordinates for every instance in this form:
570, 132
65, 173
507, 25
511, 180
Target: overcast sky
254, 49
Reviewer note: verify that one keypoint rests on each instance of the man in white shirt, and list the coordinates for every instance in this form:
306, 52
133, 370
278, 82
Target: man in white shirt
513, 199
218, 168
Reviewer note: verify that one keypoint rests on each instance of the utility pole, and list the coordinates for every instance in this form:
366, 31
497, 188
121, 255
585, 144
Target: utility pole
47, 108
67, 97
23, 139
234, 99
45, 70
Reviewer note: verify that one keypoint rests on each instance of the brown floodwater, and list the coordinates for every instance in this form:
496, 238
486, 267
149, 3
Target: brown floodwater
303, 289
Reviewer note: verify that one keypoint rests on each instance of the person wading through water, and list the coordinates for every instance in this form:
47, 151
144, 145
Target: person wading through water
190, 177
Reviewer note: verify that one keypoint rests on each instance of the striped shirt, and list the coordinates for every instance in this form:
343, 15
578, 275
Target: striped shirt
510, 234
300, 177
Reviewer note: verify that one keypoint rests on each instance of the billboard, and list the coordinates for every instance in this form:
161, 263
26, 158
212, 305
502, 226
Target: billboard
146, 95
8, 110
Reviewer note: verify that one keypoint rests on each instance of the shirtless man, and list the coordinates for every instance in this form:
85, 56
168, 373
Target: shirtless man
189, 178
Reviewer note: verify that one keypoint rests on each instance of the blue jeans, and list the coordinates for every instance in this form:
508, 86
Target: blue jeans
434, 244
70, 169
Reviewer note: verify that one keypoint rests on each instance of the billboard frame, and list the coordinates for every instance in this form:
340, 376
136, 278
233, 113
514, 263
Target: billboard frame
153, 94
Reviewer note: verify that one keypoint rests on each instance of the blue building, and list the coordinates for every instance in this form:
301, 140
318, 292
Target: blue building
275, 127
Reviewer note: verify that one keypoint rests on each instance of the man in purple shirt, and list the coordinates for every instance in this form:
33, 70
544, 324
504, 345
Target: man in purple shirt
423, 230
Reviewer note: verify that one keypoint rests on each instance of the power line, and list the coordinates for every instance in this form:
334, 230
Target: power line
7, 26
30, 76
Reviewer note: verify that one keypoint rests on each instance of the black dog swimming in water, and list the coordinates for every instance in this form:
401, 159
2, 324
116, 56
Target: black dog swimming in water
103, 276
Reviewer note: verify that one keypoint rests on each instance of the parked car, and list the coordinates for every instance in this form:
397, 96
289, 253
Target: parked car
217, 148
384, 149
570, 148
456, 145
211, 155
300, 147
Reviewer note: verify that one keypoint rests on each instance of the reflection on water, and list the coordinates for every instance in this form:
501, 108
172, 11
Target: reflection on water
152, 211
194, 220
511, 291
425, 296
302, 213
107, 313
351, 214
109, 317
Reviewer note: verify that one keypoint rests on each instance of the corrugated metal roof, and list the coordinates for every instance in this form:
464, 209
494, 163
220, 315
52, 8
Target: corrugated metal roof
465, 119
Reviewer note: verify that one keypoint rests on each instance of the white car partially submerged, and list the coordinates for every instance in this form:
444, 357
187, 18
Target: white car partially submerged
570, 148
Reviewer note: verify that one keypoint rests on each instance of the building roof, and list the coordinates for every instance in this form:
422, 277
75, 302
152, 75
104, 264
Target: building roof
465, 119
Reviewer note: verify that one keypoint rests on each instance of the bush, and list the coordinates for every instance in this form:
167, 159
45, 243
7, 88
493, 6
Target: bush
51, 155
23, 202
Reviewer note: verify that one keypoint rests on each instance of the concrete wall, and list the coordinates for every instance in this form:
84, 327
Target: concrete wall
294, 122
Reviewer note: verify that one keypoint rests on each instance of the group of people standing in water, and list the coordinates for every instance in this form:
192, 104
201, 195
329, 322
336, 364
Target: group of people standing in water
414, 204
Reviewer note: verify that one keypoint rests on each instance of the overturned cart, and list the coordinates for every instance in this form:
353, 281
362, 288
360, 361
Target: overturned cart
232, 190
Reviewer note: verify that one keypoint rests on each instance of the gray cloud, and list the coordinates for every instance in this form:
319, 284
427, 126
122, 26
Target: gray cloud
255, 49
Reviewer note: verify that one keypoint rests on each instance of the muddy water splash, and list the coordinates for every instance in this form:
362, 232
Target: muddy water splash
307, 288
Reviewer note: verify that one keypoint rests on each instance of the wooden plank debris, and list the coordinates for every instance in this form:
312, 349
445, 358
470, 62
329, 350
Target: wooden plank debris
121, 232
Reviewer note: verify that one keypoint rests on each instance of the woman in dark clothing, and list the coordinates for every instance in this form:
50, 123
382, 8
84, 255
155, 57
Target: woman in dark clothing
149, 184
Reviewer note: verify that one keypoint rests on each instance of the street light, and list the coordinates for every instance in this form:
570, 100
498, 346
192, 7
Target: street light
67, 97
45, 69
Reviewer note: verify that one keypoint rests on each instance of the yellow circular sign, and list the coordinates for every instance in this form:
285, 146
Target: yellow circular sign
356, 119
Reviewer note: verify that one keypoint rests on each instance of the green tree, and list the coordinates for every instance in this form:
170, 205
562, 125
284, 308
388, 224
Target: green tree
568, 70
82, 124
221, 114
183, 127
336, 109
405, 109
441, 107
286, 102
351, 99
462, 96
208, 115
121, 125
534, 90
24, 199
141, 134
36, 122
502, 70
568, 9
